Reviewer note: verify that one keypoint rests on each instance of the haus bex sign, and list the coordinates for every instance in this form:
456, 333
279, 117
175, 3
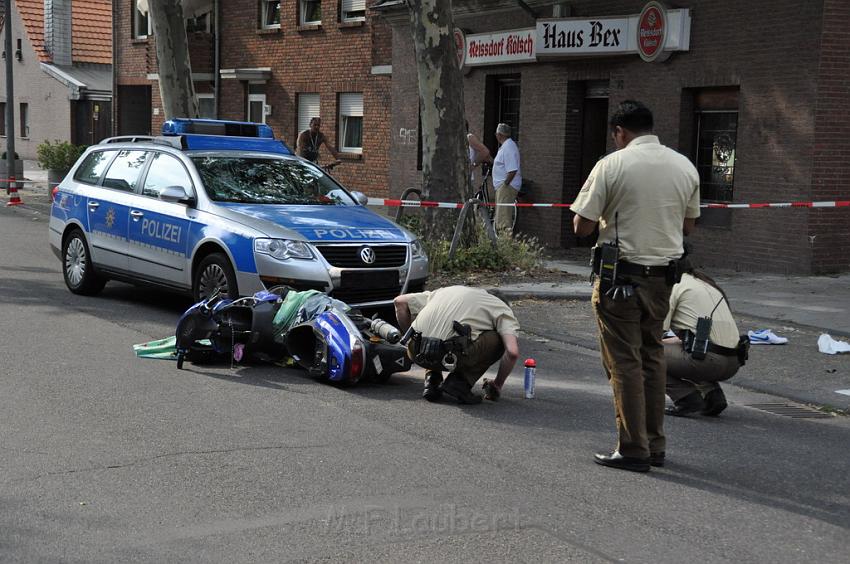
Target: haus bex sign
653, 34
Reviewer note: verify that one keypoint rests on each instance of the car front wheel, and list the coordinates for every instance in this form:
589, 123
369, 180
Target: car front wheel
214, 273
77, 269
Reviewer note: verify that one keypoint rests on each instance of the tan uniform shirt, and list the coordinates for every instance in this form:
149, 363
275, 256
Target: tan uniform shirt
653, 188
692, 298
434, 312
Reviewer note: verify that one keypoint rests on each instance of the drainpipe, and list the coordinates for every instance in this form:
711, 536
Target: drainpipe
114, 104
217, 55
10, 100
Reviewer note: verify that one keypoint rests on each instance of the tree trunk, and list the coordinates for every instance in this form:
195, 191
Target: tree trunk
172, 52
445, 164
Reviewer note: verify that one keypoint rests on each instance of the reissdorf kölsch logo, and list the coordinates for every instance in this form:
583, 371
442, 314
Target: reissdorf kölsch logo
651, 31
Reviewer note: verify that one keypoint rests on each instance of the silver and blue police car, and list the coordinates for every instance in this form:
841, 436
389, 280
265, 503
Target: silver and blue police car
215, 205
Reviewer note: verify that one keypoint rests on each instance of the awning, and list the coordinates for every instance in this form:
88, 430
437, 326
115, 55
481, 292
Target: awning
261, 74
85, 81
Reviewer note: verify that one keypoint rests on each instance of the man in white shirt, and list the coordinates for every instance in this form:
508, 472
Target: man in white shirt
507, 177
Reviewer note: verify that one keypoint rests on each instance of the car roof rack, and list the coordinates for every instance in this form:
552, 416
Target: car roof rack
127, 139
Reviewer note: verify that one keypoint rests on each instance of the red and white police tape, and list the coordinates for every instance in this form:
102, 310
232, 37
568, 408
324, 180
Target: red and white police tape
456, 205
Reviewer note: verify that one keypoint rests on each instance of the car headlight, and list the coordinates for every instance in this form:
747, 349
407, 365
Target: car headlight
417, 250
283, 249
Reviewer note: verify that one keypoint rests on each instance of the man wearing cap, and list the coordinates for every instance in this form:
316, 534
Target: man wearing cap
644, 197
507, 177
476, 327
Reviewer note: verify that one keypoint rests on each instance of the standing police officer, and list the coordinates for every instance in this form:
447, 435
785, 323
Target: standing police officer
644, 197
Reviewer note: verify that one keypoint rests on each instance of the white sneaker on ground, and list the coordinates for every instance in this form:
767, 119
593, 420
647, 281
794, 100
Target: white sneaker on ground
765, 337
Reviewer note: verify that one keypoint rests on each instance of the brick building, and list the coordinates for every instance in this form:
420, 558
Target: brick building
279, 62
756, 93
62, 73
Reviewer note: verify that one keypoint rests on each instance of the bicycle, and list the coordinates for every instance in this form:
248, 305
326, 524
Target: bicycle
483, 195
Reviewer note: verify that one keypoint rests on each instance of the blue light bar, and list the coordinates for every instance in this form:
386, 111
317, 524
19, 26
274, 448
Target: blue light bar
226, 143
183, 126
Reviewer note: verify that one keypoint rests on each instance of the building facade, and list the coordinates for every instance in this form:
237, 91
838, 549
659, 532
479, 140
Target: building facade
755, 93
62, 73
275, 61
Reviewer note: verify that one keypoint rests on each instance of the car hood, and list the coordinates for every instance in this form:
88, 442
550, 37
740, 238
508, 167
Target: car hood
324, 223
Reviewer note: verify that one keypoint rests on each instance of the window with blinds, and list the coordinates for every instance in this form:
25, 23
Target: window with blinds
353, 10
351, 122
308, 108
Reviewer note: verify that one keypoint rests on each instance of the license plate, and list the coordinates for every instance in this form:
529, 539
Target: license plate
380, 279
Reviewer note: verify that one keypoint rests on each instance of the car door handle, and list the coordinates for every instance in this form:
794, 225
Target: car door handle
93, 206
136, 215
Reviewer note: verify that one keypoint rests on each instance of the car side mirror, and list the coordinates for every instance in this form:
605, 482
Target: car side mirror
362, 199
175, 194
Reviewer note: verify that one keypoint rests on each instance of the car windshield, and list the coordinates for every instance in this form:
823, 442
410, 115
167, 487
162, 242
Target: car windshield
259, 180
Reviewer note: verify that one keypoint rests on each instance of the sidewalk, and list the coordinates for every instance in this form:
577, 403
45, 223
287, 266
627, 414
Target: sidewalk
818, 302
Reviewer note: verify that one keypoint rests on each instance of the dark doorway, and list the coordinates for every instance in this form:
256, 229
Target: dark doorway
594, 137
134, 110
501, 103
91, 121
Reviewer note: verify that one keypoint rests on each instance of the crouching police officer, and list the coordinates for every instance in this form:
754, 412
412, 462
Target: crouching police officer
644, 197
707, 348
463, 331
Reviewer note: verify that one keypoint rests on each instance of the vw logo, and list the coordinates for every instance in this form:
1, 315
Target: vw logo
367, 255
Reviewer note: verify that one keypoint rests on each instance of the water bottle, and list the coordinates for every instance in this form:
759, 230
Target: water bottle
530, 371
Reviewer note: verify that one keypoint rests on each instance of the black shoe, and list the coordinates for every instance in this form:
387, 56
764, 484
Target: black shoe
460, 390
491, 392
656, 459
617, 460
688, 405
715, 402
432, 391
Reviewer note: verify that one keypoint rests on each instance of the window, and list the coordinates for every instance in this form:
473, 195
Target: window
25, 120
257, 108
509, 97
308, 108
93, 167
201, 23
716, 126
206, 106
141, 21
269, 14
124, 171
3, 119
351, 123
353, 10
311, 12
165, 171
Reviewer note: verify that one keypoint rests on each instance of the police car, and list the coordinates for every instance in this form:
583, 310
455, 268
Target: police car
222, 205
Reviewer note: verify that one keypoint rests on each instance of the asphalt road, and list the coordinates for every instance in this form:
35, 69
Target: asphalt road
105, 457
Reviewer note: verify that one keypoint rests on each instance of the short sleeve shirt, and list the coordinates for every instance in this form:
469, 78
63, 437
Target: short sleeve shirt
646, 190
507, 160
691, 299
434, 312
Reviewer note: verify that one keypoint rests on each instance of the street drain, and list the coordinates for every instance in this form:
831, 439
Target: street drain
790, 410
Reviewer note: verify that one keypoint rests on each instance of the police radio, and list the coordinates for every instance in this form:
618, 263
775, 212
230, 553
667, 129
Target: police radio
699, 347
605, 259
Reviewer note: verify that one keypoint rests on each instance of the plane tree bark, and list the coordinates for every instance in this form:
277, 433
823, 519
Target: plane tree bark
445, 165
172, 52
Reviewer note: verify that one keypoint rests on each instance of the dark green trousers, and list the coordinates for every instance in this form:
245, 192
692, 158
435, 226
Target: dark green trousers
633, 357
484, 351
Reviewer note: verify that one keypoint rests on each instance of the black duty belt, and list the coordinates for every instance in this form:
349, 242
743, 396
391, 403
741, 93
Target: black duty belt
717, 349
633, 269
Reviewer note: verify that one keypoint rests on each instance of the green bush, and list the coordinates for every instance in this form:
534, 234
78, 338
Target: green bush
519, 252
58, 155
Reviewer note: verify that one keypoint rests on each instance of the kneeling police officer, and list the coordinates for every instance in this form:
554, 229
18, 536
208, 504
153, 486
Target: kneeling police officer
706, 348
463, 331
